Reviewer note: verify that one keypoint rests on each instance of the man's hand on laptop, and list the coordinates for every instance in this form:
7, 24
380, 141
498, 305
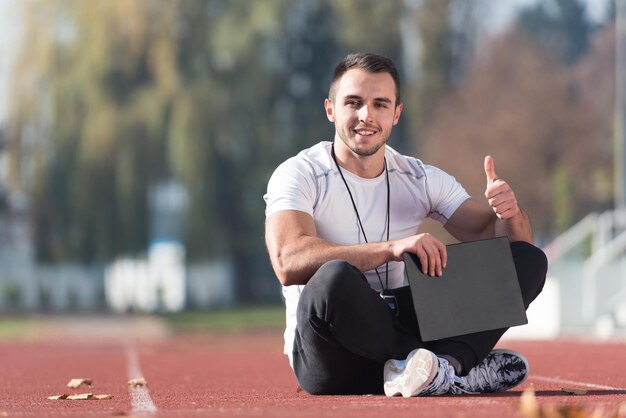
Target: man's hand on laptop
430, 251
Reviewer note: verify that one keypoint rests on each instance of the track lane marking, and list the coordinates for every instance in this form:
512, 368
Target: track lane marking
573, 382
139, 396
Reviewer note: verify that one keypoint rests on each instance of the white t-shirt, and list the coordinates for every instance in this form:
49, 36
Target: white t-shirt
311, 183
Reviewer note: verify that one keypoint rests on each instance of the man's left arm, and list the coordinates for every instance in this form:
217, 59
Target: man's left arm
500, 216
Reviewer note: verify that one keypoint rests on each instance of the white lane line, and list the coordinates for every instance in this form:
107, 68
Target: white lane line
139, 396
573, 382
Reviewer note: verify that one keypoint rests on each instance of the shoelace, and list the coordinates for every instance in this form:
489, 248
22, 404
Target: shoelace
446, 381
481, 378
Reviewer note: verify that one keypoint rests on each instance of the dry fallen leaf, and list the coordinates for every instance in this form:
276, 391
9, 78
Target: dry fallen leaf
573, 411
58, 397
137, 382
80, 396
528, 406
574, 391
76, 383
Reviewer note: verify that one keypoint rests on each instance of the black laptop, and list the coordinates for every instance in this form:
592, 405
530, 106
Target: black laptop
478, 291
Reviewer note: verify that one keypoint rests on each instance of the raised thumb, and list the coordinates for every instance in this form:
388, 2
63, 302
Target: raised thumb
490, 170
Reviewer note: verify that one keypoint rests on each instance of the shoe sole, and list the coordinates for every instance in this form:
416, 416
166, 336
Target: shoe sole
411, 376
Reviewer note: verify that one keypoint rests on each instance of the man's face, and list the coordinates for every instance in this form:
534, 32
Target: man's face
364, 110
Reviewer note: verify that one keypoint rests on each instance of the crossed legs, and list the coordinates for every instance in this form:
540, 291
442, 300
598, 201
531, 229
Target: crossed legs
346, 332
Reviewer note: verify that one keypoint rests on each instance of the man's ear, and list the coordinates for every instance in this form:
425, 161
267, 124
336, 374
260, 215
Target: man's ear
397, 113
330, 110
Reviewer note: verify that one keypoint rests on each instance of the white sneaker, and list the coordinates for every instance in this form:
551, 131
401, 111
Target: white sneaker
411, 376
425, 374
499, 371
445, 382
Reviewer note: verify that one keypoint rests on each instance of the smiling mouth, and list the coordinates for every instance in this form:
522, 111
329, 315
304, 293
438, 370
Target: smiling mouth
365, 131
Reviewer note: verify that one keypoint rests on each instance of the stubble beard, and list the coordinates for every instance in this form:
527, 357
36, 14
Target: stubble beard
362, 152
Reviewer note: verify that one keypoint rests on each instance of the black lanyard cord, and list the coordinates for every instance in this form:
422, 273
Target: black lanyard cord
332, 152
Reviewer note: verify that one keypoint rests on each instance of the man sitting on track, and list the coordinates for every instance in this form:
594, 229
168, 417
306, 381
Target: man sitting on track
340, 215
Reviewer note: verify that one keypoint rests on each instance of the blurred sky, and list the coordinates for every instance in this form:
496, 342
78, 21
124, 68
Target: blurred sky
502, 13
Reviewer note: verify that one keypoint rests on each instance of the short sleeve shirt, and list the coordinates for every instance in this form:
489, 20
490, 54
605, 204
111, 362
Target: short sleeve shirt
311, 183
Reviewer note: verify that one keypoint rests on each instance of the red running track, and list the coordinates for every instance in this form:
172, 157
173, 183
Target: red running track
234, 375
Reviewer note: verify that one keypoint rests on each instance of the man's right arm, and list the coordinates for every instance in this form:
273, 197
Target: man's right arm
296, 252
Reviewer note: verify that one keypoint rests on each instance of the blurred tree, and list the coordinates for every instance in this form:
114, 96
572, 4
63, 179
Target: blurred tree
543, 123
434, 80
561, 26
116, 95
113, 97
306, 52
381, 34
563, 202
432, 41
81, 127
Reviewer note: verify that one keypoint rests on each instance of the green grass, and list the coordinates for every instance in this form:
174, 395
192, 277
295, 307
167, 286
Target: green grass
14, 327
228, 320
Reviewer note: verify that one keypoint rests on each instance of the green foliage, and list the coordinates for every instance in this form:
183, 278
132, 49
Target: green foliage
15, 327
560, 25
12, 294
228, 320
381, 36
114, 96
137, 92
563, 200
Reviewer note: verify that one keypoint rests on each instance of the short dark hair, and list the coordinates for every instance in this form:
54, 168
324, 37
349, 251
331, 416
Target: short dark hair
369, 62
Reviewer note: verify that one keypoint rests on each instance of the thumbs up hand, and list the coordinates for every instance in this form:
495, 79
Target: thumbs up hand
499, 194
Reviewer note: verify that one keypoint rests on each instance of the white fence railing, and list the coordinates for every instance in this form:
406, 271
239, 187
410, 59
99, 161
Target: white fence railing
601, 243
